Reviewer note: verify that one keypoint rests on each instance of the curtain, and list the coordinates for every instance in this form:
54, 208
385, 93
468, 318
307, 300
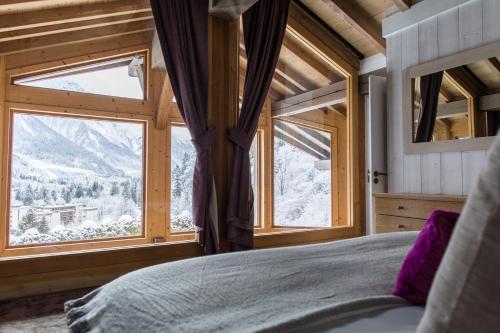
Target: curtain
430, 85
264, 27
182, 27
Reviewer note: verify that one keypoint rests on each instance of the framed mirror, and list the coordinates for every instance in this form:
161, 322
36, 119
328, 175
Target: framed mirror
453, 103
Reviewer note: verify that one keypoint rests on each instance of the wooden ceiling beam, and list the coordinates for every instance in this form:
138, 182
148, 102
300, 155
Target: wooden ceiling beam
74, 26
311, 100
75, 37
311, 34
465, 81
495, 64
402, 4
78, 13
360, 21
165, 104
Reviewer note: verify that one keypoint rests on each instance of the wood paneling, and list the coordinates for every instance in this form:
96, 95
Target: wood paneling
461, 25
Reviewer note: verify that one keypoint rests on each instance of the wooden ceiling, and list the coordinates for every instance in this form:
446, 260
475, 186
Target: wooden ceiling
351, 28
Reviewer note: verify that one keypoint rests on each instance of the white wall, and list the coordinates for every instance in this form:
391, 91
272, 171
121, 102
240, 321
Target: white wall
467, 26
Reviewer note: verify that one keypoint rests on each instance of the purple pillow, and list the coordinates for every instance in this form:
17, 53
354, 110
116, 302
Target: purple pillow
421, 263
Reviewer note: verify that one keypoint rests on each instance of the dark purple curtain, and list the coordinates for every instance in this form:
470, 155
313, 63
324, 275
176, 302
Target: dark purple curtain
264, 27
430, 85
182, 27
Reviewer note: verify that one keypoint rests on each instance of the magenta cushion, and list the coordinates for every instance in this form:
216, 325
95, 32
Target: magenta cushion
421, 263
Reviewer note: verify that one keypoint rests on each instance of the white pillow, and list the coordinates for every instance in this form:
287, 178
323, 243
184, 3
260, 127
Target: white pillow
465, 294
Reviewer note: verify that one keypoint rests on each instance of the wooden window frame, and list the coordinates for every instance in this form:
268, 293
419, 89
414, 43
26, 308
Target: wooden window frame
332, 131
46, 101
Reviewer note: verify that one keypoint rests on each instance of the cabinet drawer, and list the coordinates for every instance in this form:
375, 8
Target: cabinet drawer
388, 223
419, 209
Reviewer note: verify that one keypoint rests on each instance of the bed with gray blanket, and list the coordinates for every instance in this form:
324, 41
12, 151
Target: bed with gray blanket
339, 286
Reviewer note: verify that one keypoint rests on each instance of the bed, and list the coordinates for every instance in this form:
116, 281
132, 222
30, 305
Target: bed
342, 286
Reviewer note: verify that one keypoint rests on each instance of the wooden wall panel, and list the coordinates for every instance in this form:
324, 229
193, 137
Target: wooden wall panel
467, 25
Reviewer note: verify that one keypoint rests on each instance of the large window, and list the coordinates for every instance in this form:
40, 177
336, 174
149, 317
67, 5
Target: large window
122, 77
302, 176
74, 179
183, 158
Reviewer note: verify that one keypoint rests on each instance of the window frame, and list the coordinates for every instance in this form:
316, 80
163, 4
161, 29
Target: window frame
117, 56
49, 248
332, 131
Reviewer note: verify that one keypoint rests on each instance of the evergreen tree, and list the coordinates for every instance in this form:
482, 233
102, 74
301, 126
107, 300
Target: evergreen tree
79, 191
44, 193
177, 182
53, 194
44, 226
66, 195
133, 191
126, 190
28, 196
114, 189
28, 221
19, 196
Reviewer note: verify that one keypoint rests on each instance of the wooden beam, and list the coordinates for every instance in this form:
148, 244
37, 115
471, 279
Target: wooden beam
164, 104
360, 21
402, 4
74, 26
495, 64
450, 109
281, 131
299, 133
223, 107
320, 41
311, 100
74, 37
489, 102
465, 81
79, 13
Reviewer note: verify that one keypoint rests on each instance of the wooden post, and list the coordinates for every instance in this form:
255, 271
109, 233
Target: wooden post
223, 105
3, 143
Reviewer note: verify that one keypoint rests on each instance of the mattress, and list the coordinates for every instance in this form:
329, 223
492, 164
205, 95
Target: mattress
274, 290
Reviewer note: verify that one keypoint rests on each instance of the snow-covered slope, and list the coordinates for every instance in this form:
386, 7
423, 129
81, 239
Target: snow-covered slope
56, 146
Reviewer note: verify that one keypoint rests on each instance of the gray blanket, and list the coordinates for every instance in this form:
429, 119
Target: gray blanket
274, 290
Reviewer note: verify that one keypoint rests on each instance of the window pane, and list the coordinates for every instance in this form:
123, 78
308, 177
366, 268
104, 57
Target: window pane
75, 179
120, 77
302, 176
254, 175
183, 160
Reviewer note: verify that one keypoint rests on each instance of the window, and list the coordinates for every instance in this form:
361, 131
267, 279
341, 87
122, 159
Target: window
255, 176
302, 176
122, 77
183, 158
75, 179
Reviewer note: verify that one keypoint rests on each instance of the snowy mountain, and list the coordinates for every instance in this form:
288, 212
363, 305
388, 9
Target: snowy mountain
53, 147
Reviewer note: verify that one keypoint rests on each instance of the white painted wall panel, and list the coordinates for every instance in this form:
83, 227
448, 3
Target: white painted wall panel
448, 40
491, 21
428, 40
430, 165
472, 162
471, 24
395, 115
451, 173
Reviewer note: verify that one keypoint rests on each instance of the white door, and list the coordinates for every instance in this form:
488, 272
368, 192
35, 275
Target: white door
376, 144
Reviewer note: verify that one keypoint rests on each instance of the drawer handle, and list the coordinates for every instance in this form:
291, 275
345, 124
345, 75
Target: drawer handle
401, 226
401, 207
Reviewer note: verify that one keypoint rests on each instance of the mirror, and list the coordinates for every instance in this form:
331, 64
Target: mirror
458, 103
